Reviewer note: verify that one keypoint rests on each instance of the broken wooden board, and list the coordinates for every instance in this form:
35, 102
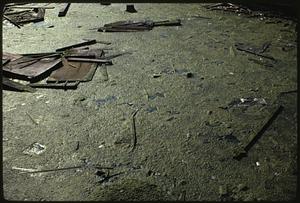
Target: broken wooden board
63, 11
5, 61
29, 70
35, 15
7, 83
75, 71
66, 85
77, 45
82, 53
254, 138
132, 26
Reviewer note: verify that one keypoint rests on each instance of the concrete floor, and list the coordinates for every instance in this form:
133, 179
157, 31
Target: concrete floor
185, 141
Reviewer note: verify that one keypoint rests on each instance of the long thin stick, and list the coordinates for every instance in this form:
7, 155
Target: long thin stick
134, 130
30, 7
258, 135
12, 21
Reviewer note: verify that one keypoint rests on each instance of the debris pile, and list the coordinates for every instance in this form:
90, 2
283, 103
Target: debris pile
229, 7
66, 67
19, 14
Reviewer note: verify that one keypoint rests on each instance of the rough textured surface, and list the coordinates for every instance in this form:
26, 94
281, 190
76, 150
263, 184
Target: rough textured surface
185, 141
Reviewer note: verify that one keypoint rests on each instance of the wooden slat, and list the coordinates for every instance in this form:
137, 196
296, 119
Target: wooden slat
16, 86
77, 45
35, 69
63, 11
74, 71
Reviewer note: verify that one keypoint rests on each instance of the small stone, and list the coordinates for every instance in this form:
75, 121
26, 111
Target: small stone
257, 163
182, 182
189, 75
170, 118
209, 112
241, 187
188, 135
222, 190
156, 75
150, 173
130, 9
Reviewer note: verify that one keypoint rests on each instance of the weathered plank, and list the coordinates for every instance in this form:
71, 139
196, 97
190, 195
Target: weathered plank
90, 42
63, 11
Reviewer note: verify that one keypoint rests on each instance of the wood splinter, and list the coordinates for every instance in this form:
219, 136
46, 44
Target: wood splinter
134, 130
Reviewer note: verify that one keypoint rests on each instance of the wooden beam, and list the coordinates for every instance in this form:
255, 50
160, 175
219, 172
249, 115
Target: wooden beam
63, 11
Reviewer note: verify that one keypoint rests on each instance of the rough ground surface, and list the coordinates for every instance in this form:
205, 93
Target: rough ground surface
185, 141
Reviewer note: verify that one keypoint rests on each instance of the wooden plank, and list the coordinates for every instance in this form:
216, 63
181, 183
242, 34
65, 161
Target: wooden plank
5, 61
63, 11
10, 56
77, 72
109, 62
66, 85
31, 70
12, 21
90, 42
16, 86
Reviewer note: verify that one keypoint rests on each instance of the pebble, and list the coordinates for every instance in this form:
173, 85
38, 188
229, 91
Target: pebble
156, 75
188, 135
189, 75
222, 190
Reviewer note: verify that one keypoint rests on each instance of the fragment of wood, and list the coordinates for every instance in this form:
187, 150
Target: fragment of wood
258, 135
107, 62
176, 22
104, 73
14, 4
16, 86
32, 7
36, 123
40, 57
40, 54
63, 11
67, 168
30, 70
265, 46
66, 85
34, 17
24, 169
12, 21
260, 62
100, 42
114, 55
52, 170
201, 17
130, 8
40, 14
240, 48
107, 177
90, 42
16, 12
134, 130
288, 92
5, 61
